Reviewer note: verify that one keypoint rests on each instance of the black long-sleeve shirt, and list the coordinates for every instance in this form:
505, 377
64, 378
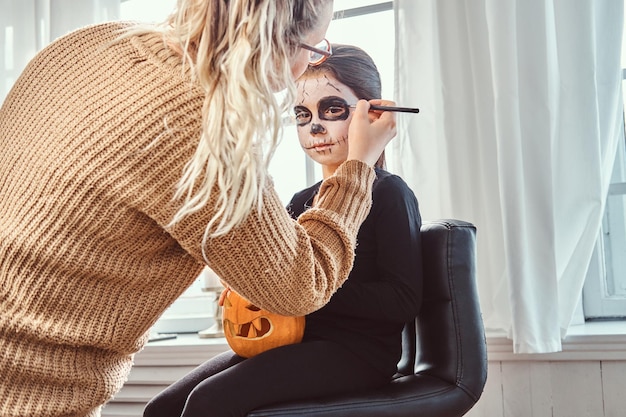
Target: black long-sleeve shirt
384, 289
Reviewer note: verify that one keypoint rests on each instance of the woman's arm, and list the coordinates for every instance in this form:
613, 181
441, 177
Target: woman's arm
289, 267
282, 265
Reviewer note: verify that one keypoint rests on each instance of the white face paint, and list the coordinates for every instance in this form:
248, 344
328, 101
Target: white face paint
323, 118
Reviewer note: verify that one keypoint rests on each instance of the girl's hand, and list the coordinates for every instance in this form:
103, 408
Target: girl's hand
370, 131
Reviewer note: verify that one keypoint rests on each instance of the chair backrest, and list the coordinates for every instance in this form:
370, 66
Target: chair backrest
443, 368
447, 340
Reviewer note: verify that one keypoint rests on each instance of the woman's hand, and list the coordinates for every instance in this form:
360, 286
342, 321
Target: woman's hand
223, 295
370, 131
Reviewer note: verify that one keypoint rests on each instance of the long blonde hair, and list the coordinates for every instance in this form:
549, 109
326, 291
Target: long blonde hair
239, 52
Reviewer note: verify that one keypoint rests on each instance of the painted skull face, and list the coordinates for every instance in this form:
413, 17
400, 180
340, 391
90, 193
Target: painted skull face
250, 330
323, 117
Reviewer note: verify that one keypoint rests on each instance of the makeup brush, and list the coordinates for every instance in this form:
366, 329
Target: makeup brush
392, 108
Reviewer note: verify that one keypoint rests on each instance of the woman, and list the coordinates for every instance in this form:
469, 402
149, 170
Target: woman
354, 342
130, 158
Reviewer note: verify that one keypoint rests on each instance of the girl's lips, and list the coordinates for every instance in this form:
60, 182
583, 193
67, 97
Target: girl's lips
322, 147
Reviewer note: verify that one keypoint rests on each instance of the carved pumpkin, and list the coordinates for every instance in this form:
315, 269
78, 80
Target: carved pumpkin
250, 330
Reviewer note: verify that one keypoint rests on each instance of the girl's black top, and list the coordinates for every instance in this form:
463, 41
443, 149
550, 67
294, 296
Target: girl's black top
384, 289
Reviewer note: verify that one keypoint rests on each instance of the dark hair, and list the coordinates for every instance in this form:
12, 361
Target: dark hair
354, 68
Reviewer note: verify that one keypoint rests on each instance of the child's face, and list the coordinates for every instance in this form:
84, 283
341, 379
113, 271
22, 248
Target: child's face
322, 118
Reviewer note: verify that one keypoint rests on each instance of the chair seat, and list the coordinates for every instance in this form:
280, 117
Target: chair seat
396, 399
444, 353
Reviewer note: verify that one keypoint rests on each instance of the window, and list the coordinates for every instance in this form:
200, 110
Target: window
290, 168
604, 294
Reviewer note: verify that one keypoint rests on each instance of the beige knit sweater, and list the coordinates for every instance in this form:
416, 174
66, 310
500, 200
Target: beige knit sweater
86, 264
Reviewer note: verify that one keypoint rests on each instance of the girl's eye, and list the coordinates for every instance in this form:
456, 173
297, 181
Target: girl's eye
335, 111
303, 116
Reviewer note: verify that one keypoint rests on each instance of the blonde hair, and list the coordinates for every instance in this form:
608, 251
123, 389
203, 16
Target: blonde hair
239, 52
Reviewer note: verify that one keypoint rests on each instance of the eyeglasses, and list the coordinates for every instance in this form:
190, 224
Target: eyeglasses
319, 53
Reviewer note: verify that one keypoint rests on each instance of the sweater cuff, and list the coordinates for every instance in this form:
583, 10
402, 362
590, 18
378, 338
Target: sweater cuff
348, 191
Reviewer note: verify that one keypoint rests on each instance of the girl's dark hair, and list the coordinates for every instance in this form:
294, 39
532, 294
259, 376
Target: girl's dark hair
353, 67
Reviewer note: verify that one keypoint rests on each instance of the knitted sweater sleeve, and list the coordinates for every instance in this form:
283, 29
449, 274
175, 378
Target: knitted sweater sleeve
286, 266
290, 267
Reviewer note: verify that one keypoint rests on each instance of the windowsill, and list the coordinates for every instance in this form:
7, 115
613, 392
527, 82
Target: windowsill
598, 340
185, 349
589, 341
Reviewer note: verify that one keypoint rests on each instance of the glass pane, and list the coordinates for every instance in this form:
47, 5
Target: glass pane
615, 247
614, 228
146, 10
379, 43
288, 166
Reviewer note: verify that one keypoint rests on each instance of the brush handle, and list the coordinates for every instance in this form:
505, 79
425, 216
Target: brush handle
393, 108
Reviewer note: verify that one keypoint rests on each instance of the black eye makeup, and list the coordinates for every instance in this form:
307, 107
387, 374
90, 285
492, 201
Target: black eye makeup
303, 115
333, 108
329, 108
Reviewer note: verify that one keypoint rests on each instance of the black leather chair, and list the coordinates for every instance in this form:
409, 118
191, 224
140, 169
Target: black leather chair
444, 360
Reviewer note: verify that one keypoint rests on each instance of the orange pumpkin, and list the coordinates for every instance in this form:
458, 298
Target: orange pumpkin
250, 330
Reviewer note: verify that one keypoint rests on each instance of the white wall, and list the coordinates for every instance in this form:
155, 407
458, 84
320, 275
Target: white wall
553, 389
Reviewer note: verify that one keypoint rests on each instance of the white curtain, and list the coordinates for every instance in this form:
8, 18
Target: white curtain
521, 113
26, 26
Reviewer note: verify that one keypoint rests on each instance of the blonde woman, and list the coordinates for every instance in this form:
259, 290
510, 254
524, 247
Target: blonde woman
130, 158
